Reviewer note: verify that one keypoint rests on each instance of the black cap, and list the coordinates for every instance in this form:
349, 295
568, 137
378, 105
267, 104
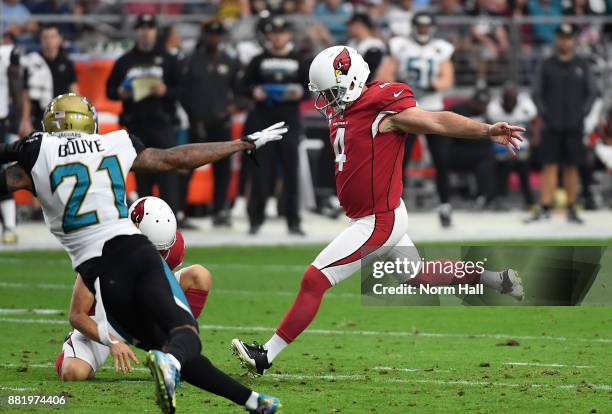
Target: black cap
275, 24
213, 26
145, 20
361, 18
566, 30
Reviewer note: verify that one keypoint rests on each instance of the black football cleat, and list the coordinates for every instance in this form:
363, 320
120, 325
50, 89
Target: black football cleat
253, 357
445, 214
540, 215
573, 217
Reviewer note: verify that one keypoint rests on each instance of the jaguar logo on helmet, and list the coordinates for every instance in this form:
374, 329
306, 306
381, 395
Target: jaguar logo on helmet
138, 212
342, 62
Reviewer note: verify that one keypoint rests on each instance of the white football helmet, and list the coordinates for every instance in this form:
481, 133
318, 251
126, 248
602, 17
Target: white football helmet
155, 219
338, 74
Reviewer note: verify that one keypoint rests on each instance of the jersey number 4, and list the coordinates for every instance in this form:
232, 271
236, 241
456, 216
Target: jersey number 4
339, 149
73, 218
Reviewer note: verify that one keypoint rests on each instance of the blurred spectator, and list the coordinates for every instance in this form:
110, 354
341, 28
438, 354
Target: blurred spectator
583, 7
60, 7
10, 112
276, 80
400, 18
517, 109
212, 73
15, 18
424, 63
475, 156
48, 73
544, 33
564, 91
362, 39
170, 41
334, 14
147, 80
490, 42
453, 33
92, 35
312, 36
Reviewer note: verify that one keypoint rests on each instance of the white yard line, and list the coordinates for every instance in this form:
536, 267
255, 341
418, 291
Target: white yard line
17, 311
384, 369
64, 286
362, 377
234, 266
538, 364
355, 332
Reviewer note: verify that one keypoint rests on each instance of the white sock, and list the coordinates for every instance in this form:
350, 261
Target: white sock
274, 346
9, 214
491, 279
174, 361
252, 403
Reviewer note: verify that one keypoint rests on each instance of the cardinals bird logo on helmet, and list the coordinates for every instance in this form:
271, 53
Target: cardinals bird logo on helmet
138, 211
342, 62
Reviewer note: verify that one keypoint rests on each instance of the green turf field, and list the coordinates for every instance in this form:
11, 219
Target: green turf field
355, 359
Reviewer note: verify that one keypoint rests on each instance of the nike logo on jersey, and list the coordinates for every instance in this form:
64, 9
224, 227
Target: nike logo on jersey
384, 84
398, 93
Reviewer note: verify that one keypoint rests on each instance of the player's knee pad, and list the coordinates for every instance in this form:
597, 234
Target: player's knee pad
314, 281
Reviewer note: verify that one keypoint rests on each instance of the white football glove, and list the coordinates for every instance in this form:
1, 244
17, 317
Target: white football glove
271, 133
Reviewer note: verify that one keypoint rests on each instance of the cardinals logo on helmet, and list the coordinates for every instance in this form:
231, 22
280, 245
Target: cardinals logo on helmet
138, 212
342, 62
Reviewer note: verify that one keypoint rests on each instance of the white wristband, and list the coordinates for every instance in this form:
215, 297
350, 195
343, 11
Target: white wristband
105, 335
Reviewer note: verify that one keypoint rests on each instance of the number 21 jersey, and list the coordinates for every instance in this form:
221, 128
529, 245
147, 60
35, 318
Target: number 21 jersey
368, 162
79, 180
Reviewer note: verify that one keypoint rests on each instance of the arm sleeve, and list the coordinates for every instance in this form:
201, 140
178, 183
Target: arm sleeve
137, 144
25, 151
446, 50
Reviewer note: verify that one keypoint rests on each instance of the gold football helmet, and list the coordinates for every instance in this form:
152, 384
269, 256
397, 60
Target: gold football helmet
70, 112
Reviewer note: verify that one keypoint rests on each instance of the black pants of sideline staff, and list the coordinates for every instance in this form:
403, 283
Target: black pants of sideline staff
157, 136
215, 131
274, 157
440, 149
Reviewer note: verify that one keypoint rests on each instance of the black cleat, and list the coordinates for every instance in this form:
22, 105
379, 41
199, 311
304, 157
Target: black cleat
572, 216
444, 213
296, 230
253, 357
539, 215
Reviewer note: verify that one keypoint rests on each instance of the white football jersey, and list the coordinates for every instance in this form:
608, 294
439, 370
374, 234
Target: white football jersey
523, 113
79, 180
418, 65
8, 57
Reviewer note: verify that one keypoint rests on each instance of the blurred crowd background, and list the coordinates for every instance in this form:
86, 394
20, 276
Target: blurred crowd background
174, 72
